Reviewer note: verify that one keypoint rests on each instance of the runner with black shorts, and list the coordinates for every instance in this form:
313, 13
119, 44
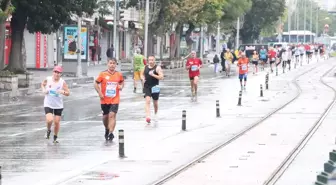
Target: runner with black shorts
108, 86
54, 88
152, 74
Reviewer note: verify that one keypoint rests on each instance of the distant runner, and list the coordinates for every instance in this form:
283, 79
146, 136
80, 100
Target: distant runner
138, 66
243, 70
194, 65
108, 84
54, 88
152, 75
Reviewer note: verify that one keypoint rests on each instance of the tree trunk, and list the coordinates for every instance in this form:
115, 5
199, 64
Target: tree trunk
188, 36
16, 59
175, 48
2, 43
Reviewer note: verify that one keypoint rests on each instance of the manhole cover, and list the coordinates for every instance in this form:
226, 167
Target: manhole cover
273, 134
100, 176
250, 152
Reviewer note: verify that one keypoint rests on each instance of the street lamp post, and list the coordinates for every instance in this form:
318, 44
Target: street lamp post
238, 29
311, 21
146, 28
218, 37
305, 19
79, 46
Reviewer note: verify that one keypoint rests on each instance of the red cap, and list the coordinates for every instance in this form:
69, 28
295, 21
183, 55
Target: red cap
58, 69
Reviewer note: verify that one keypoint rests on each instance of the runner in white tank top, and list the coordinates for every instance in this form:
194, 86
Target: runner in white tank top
54, 88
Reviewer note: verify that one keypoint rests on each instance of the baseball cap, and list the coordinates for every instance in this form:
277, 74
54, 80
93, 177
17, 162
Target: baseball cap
58, 69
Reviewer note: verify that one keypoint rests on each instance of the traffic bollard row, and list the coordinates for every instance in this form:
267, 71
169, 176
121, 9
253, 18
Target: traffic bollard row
261, 91
217, 109
329, 171
0, 174
266, 80
184, 120
121, 144
240, 98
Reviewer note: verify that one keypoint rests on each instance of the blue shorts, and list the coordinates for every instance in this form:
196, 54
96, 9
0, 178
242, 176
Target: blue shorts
241, 76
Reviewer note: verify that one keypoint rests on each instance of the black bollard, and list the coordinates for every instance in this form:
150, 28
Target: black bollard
266, 83
184, 120
217, 109
261, 91
0, 174
276, 71
240, 98
121, 144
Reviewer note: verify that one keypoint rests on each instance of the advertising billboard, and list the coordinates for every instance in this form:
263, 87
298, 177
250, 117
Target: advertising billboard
70, 43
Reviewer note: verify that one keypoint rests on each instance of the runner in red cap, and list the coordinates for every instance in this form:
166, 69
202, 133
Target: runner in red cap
54, 88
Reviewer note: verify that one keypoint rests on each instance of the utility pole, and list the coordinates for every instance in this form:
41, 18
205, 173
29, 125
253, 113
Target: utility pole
237, 36
305, 19
146, 28
297, 22
317, 23
115, 24
79, 47
218, 37
311, 21
289, 25
201, 43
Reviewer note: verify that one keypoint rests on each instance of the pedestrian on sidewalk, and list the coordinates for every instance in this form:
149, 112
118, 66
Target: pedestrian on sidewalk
109, 52
216, 62
54, 88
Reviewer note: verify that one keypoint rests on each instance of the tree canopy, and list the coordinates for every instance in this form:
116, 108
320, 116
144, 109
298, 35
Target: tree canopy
263, 13
44, 16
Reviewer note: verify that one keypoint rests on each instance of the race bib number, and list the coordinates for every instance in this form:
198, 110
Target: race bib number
273, 59
244, 67
111, 89
155, 89
53, 93
194, 68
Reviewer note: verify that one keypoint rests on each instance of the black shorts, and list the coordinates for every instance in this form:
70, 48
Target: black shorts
255, 62
192, 78
148, 92
272, 61
56, 112
107, 108
264, 60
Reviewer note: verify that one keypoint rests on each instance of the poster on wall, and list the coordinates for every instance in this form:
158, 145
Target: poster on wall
70, 43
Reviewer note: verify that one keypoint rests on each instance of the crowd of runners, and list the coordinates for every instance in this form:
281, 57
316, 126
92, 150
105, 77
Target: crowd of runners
110, 82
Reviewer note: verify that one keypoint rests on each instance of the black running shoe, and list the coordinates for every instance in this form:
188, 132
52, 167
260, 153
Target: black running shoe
110, 137
106, 134
134, 90
48, 134
55, 139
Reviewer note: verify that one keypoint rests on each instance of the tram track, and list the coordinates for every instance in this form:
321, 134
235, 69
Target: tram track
276, 175
278, 172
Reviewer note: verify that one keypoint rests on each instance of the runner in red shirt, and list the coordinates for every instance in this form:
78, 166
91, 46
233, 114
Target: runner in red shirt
243, 64
194, 65
272, 57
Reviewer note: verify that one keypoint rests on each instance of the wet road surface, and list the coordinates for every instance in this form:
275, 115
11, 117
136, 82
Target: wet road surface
24, 152
83, 157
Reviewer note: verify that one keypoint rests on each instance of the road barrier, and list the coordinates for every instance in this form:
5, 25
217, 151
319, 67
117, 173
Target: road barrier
240, 98
217, 109
184, 120
266, 80
261, 91
121, 144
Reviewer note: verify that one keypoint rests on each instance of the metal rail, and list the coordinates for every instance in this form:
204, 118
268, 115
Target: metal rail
183, 168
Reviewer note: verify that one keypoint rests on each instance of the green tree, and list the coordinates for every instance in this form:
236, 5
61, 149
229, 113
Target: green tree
263, 13
41, 16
